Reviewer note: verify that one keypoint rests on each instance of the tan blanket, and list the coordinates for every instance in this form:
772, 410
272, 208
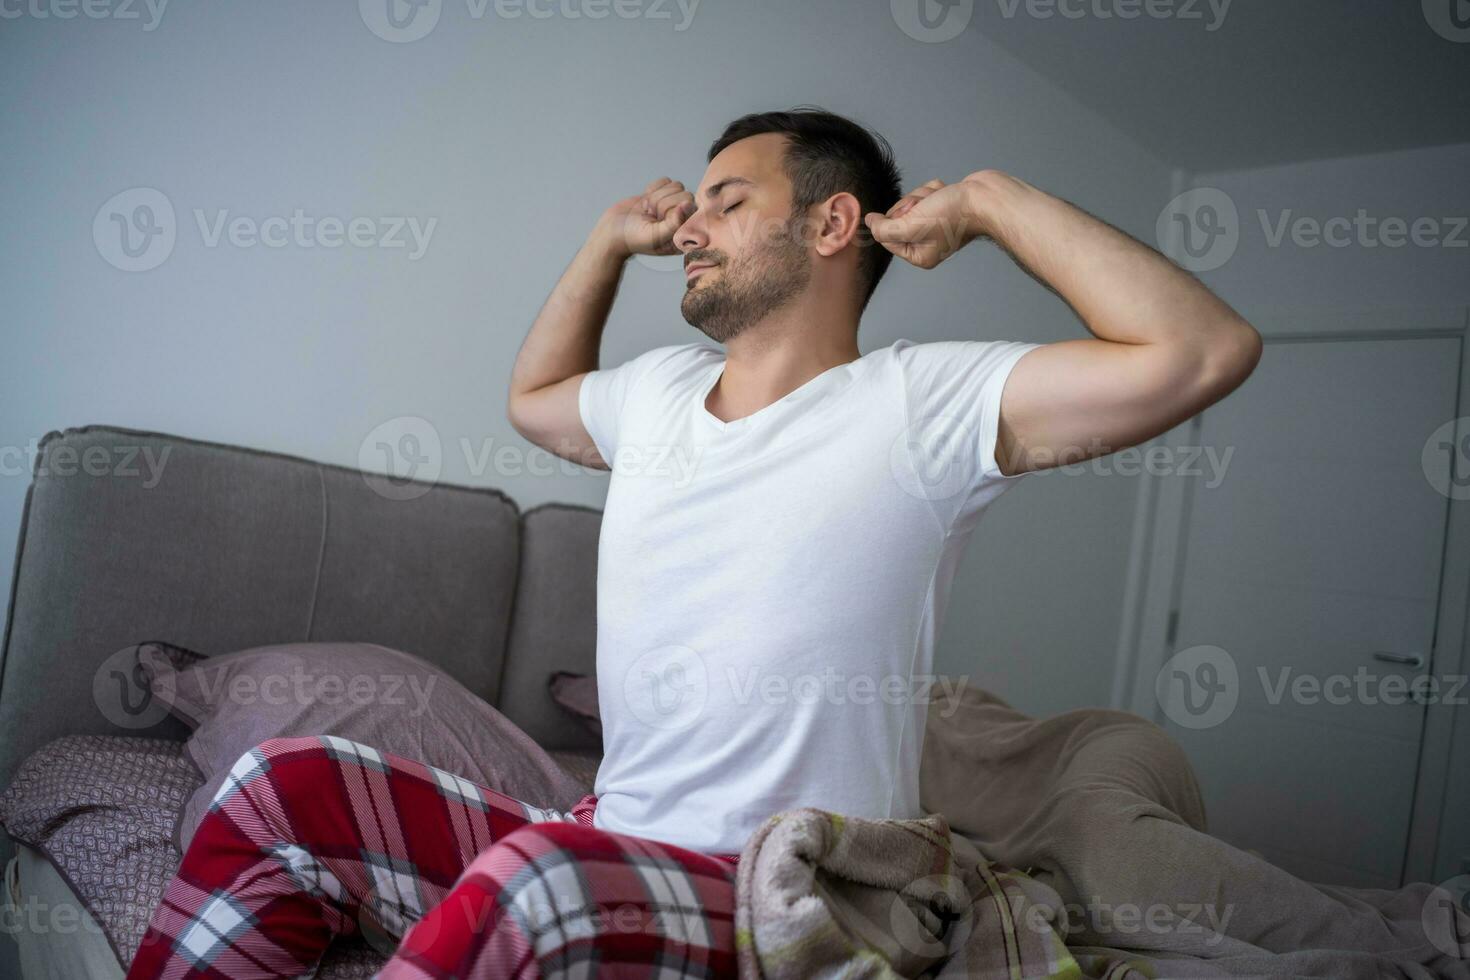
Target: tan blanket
1071, 846
820, 895
1103, 807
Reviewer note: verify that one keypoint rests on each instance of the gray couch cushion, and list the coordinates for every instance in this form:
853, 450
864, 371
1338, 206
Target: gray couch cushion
555, 622
131, 536
434, 576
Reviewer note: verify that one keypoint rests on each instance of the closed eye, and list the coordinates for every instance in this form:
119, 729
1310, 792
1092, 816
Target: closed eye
732, 207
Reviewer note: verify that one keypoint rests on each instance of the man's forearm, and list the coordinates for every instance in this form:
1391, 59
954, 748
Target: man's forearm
1123, 290
567, 334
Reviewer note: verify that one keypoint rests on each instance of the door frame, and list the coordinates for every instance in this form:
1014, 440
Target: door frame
1156, 563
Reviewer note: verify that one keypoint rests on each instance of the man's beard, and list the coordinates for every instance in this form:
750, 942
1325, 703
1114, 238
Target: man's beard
749, 289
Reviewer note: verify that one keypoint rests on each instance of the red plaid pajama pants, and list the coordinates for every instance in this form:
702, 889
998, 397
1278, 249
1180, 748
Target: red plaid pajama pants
313, 838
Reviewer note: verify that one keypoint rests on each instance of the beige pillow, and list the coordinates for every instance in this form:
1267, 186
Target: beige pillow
384, 698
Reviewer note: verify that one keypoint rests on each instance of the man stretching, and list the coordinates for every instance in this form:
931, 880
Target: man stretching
780, 533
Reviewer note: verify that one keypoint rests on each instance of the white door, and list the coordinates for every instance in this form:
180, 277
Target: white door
1311, 573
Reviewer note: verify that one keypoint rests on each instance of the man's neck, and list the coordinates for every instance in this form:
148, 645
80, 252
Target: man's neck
760, 371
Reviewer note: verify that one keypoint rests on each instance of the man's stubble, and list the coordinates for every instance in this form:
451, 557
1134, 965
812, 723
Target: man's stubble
749, 289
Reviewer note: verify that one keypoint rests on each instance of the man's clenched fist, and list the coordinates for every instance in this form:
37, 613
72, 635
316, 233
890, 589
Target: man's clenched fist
644, 224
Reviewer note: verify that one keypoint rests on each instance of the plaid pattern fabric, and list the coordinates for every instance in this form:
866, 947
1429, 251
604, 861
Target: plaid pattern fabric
311, 838
564, 900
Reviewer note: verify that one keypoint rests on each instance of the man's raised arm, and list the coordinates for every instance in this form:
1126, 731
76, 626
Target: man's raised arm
563, 343
1165, 347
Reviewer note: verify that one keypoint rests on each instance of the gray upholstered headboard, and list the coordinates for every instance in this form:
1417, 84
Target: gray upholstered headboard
131, 536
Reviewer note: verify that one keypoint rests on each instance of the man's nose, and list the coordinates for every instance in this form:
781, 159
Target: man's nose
691, 234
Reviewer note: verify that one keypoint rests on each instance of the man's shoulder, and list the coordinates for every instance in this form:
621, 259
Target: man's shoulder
909, 354
955, 369
695, 351
671, 360
905, 349
660, 368
917, 358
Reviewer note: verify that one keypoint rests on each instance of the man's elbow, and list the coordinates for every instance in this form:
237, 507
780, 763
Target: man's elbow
1232, 357
516, 414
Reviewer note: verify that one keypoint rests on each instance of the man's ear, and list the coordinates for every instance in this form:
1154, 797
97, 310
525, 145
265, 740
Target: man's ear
838, 221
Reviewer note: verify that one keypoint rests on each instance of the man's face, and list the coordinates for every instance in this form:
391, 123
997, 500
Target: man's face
743, 226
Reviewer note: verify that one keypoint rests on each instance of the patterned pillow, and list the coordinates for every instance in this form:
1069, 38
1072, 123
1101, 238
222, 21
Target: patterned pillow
102, 809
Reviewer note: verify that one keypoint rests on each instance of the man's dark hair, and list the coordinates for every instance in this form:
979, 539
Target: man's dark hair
825, 155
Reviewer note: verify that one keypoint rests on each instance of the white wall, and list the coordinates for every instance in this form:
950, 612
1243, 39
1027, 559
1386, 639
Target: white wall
513, 134
1383, 281
1426, 183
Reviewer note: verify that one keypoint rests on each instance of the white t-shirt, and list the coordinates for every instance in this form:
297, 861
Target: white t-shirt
769, 590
